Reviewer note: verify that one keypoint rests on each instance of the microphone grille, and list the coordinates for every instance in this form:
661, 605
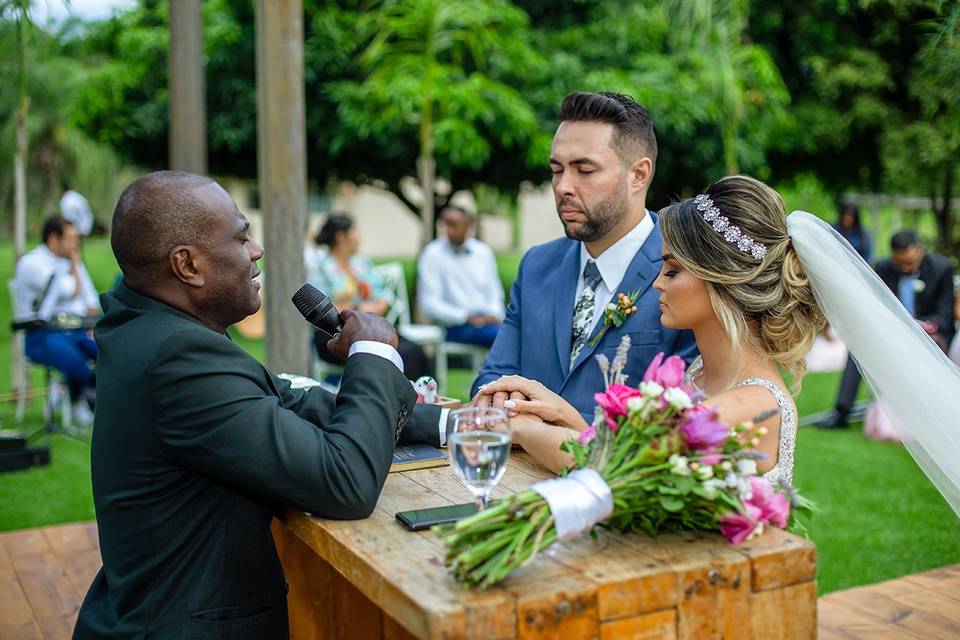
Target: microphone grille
307, 299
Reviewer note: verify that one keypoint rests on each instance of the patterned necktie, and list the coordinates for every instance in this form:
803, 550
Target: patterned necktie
583, 310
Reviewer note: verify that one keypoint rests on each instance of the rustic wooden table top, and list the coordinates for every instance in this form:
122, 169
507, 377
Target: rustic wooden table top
688, 585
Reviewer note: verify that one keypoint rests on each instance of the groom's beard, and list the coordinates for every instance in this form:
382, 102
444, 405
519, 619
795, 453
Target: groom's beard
601, 217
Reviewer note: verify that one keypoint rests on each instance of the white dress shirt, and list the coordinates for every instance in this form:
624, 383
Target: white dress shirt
613, 264
457, 282
34, 270
384, 350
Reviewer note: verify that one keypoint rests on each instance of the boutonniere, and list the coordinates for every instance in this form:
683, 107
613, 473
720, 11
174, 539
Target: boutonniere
919, 285
616, 313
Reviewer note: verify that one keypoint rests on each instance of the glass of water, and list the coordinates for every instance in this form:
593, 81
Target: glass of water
479, 446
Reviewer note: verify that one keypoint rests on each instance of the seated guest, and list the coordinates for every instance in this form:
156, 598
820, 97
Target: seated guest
923, 282
197, 445
850, 227
458, 284
48, 281
351, 282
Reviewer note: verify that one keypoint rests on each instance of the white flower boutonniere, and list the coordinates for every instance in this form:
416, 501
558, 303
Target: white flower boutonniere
919, 285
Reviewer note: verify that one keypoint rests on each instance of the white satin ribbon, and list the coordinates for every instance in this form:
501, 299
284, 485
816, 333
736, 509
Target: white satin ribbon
577, 501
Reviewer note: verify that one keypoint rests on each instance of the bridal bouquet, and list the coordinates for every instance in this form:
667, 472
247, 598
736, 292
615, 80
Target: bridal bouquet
654, 460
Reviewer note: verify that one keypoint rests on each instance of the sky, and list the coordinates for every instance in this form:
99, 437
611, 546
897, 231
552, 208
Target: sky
44, 10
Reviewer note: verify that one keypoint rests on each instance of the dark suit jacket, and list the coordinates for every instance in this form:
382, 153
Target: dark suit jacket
196, 446
935, 302
534, 340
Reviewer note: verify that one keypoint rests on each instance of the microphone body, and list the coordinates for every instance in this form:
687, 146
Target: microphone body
317, 309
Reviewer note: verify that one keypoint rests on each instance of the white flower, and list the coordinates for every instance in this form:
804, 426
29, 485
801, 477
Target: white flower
726, 466
705, 472
679, 465
678, 398
747, 467
651, 389
712, 486
636, 404
919, 285
611, 307
730, 480
757, 530
743, 488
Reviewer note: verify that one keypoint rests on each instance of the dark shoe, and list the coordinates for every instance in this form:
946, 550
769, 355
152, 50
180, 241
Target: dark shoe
836, 420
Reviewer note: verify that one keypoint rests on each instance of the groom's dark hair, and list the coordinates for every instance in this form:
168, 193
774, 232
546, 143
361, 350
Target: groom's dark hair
632, 126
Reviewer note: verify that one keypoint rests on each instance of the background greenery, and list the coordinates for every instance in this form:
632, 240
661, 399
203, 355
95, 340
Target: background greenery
880, 517
860, 96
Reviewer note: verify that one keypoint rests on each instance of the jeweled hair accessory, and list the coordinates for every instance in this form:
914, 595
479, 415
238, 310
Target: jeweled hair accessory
730, 232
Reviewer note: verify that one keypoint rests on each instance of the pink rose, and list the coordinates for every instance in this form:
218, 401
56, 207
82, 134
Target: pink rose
710, 457
737, 527
667, 373
614, 400
587, 435
704, 431
774, 507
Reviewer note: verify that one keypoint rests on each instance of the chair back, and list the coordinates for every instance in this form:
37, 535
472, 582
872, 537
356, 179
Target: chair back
393, 279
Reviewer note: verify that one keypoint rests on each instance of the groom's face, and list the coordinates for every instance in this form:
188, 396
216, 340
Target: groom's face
589, 180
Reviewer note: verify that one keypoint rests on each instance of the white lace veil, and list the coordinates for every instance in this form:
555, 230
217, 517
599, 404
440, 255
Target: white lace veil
918, 386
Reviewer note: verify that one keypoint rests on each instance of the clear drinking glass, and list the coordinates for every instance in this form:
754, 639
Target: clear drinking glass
479, 446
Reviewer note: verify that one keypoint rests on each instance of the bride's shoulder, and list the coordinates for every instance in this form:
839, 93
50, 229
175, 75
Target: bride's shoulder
746, 402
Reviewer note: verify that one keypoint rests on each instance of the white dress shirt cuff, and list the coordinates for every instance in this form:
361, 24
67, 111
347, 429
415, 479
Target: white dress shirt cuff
444, 414
381, 349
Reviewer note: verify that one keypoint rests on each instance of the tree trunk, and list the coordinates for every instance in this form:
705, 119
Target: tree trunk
426, 172
945, 216
20, 157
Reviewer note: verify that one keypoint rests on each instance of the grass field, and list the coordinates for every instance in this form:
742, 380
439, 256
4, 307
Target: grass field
879, 517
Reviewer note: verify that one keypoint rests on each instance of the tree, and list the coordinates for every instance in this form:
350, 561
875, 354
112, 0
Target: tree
925, 152
428, 66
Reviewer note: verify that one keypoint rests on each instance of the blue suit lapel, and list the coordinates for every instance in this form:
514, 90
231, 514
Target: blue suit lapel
641, 273
565, 290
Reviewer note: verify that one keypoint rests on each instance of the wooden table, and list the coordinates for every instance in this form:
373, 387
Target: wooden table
374, 579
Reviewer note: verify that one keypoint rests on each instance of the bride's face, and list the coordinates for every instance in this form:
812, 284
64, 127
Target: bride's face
684, 301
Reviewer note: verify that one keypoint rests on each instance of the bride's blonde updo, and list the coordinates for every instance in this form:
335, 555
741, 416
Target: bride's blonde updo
766, 304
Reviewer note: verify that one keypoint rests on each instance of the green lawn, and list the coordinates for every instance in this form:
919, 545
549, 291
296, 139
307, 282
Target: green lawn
880, 518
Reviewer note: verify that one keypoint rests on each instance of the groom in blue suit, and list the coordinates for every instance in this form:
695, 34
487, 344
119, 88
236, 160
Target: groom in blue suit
602, 159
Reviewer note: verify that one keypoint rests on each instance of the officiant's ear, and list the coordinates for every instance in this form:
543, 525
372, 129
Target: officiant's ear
640, 174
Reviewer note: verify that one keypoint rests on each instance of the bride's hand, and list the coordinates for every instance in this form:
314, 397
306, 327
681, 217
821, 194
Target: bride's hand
530, 396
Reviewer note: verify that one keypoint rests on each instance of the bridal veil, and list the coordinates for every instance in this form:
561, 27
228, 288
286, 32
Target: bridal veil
918, 386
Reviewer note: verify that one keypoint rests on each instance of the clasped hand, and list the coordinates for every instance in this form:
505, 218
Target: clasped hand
524, 399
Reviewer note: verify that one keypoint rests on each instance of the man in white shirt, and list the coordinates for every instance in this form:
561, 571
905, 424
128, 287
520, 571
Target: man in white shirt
52, 280
458, 283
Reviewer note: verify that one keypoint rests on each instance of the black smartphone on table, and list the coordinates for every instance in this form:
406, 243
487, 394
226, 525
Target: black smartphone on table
419, 519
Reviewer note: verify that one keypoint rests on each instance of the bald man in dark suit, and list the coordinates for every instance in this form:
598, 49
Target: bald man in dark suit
196, 445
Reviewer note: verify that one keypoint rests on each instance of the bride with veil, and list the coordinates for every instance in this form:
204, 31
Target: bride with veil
756, 286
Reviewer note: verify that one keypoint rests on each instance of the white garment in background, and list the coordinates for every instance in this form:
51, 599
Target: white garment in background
33, 272
75, 208
613, 264
454, 283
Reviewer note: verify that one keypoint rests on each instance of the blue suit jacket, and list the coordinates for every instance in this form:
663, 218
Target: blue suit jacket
534, 340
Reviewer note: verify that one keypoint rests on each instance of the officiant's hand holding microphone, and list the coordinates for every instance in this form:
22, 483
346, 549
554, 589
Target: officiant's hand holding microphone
346, 327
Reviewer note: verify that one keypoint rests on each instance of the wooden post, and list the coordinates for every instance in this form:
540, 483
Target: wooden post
188, 115
282, 166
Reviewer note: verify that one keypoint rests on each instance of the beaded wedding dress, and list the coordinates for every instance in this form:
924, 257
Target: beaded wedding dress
782, 471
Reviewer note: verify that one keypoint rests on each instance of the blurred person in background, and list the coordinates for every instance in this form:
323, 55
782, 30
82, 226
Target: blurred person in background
49, 281
850, 227
351, 282
923, 282
458, 285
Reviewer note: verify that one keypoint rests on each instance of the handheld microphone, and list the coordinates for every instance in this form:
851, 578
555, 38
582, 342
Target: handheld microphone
317, 309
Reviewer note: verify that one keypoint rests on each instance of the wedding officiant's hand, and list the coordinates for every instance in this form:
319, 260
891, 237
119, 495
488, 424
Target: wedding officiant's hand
536, 399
